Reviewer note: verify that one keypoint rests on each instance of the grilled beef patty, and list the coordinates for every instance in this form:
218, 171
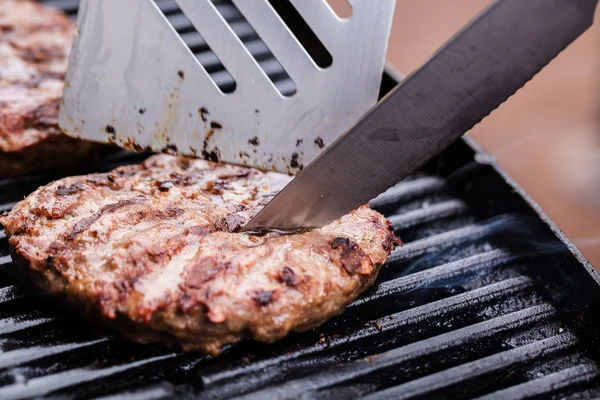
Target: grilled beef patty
154, 251
35, 41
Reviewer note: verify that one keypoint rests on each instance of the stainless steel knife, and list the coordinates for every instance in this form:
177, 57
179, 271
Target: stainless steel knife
470, 76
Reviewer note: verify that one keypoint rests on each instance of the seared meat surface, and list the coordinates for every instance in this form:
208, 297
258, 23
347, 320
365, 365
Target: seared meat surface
35, 42
154, 251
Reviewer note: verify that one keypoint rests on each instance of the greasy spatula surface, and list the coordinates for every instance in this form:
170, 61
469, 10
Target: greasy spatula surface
133, 81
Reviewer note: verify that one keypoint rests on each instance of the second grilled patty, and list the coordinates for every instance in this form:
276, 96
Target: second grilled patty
35, 41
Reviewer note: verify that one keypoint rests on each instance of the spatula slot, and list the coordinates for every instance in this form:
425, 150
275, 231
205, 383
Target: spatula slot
341, 8
259, 50
196, 43
307, 38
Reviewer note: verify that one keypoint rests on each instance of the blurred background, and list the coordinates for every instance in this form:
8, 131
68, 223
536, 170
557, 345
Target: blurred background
547, 135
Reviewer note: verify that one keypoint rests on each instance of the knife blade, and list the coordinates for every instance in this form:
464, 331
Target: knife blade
469, 77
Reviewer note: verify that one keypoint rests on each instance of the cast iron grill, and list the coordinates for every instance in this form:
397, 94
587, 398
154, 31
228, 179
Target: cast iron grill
486, 298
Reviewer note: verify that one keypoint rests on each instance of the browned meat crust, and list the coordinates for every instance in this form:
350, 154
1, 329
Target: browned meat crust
34, 46
154, 251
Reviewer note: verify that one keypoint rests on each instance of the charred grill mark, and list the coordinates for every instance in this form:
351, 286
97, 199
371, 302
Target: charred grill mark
114, 182
287, 276
43, 118
81, 226
126, 171
197, 231
214, 187
264, 297
181, 180
85, 223
55, 248
197, 278
39, 54
77, 187
101, 180
164, 186
238, 175
350, 255
171, 213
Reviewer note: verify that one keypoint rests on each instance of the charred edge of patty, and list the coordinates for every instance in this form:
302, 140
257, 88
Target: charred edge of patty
351, 257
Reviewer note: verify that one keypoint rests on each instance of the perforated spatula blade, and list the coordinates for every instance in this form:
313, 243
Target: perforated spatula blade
134, 81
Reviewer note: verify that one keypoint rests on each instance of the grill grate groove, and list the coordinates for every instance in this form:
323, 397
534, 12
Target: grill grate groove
49, 383
465, 372
395, 358
462, 302
558, 380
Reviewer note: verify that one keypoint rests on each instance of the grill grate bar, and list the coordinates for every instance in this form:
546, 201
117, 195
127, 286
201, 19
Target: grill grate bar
16, 357
404, 319
465, 372
549, 383
2, 235
454, 339
49, 383
7, 206
10, 293
445, 209
19, 323
453, 269
5, 260
436, 242
407, 190
151, 393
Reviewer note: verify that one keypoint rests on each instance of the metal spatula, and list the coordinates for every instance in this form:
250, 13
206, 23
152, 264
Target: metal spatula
133, 81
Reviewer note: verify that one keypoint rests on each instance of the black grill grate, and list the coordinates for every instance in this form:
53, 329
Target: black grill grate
483, 300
